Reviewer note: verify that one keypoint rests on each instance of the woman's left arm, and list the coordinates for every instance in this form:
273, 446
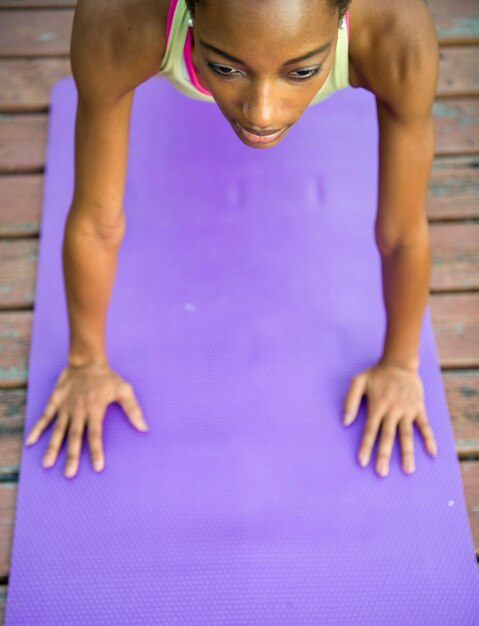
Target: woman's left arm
404, 100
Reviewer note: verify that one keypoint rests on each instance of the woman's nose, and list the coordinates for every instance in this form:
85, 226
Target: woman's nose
259, 109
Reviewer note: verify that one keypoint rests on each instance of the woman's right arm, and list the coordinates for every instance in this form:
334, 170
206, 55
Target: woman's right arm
110, 56
113, 49
96, 221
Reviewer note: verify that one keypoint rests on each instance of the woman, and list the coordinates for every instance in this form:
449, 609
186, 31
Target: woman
262, 63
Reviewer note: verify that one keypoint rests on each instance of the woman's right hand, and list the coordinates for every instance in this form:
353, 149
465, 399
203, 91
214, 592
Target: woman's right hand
80, 397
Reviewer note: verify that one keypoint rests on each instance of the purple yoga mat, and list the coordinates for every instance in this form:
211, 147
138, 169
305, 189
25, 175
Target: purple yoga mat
247, 296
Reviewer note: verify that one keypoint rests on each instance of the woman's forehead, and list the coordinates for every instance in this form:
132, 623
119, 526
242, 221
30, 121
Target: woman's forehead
286, 11
267, 21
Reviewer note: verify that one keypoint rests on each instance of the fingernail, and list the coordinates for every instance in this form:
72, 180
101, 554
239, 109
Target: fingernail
363, 460
409, 466
383, 470
29, 440
70, 470
348, 416
98, 465
144, 426
47, 461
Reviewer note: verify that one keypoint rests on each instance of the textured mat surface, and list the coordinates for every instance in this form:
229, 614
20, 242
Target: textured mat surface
247, 295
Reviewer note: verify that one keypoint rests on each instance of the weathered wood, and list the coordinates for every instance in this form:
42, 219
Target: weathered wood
462, 393
458, 72
455, 320
470, 481
18, 267
26, 83
455, 256
15, 337
21, 205
34, 32
3, 602
8, 501
35, 4
457, 21
456, 126
453, 188
23, 137
22, 143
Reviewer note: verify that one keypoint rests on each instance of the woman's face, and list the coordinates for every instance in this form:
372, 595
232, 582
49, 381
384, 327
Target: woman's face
248, 54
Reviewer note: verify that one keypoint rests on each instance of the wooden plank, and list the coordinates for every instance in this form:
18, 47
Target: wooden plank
23, 137
12, 427
462, 393
455, 320
455, 256
456, 126
37, 4
21, 205
453, 191
26, 83
458, 72
22, 143
457, 21
3, 602
15, 337
470, 481
33, 32
18, 267
8, 501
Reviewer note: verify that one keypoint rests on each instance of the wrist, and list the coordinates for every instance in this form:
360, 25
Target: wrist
411, 364
78, 361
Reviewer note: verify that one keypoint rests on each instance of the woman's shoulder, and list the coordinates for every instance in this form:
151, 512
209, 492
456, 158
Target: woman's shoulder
118, 45
387, 40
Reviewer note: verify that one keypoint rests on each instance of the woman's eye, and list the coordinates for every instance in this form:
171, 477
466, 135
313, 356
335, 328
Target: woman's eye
306, 73
223, 70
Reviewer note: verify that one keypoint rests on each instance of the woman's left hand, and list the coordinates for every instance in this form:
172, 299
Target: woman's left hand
395, 398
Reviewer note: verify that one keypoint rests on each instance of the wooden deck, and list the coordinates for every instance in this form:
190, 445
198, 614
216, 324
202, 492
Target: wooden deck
34, 45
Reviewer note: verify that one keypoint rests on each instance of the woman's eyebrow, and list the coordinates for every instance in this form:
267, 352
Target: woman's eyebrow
303, 57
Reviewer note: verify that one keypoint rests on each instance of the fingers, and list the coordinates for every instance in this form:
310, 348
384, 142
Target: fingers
427, 433
386, 444
56, 439
353, 397
369, 434
406, 439
129, 403
74, 443
43, 421
95, 442
388, 425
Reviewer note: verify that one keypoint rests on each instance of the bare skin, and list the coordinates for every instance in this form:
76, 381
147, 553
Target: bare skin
115, 50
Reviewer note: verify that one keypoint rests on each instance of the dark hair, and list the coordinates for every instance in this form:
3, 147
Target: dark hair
333, 5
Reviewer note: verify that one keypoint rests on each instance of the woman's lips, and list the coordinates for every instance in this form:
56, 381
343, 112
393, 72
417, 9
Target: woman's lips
253, 138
